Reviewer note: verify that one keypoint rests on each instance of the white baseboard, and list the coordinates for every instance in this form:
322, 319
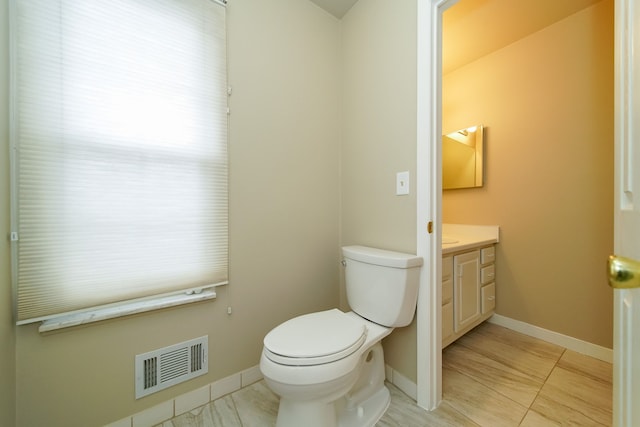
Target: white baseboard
407, 386
584, 347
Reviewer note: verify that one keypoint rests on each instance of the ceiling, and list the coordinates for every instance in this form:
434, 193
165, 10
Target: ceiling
335, 7
475, 28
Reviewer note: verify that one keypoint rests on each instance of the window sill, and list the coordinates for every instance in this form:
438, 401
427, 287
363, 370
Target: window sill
125, 309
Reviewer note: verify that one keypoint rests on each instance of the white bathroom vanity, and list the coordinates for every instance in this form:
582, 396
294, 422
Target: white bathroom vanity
468, 277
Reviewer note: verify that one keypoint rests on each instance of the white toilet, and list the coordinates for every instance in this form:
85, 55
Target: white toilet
328, 367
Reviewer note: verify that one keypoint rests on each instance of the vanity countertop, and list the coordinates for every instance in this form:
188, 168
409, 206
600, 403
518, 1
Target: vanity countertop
458, 237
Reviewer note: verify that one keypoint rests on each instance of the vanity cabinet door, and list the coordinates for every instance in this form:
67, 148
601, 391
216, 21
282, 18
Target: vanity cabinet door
466, 285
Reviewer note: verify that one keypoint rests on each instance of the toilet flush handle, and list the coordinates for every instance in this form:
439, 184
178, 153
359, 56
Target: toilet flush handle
344, 263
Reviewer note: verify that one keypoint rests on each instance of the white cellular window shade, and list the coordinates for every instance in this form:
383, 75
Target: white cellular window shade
119, 151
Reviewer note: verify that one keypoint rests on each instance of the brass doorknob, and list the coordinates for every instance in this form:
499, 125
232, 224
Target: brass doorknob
624, 273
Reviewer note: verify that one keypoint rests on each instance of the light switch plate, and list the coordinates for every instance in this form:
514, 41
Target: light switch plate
402, 183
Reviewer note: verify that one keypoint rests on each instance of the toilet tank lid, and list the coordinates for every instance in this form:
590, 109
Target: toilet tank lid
381, 257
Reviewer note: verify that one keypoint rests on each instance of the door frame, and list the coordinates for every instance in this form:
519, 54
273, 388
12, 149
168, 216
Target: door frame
429, 199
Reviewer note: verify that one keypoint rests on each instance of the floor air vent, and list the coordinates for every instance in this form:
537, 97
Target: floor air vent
162, 368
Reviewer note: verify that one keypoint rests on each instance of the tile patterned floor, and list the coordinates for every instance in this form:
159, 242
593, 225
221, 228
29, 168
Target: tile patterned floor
492, 377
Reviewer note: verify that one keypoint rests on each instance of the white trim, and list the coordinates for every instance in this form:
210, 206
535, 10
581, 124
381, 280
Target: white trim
250, 376
429, 199
403, 383
574, 344
428, 388
226, 385
191, 400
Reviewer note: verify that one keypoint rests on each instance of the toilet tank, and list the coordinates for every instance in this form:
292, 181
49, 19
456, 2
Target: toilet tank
382, 286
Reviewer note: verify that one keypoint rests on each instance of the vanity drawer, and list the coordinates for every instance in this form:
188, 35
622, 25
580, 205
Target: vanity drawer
487, 274
488, 295
447, 320
487, 255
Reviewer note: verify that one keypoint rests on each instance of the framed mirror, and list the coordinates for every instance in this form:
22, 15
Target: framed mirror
462, 158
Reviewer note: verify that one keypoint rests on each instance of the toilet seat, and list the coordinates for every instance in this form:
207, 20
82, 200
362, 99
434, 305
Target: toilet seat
315, 339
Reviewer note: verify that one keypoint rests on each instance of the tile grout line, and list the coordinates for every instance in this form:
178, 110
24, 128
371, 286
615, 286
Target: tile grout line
543, 384
235, 408
478, 381
528, 408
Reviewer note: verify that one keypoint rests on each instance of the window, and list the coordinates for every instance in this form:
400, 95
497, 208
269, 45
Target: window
119, 151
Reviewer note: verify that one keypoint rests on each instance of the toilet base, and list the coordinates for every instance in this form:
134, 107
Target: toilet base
364, 404
336, 414
367, 413
313, 414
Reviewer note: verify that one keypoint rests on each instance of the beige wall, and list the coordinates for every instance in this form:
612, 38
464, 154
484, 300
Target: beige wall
302, 82
284, 212
547, 104
379, 139
7, 336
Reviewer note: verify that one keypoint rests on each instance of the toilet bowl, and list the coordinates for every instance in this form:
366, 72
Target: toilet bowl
328, 367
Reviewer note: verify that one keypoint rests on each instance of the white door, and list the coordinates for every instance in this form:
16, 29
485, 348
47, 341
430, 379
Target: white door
624, 268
